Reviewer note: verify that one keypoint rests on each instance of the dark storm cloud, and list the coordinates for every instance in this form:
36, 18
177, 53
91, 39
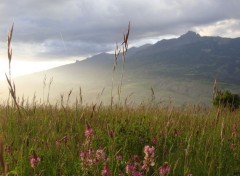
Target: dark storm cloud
83, 27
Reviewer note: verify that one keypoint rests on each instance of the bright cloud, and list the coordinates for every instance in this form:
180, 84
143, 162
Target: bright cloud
226, 28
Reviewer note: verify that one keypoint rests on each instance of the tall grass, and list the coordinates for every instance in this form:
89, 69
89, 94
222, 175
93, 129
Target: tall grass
192, 140
120, 50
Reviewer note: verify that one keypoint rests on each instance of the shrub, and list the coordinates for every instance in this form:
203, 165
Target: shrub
226, 99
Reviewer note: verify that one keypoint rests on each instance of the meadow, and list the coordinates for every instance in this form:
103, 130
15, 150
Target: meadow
117, 139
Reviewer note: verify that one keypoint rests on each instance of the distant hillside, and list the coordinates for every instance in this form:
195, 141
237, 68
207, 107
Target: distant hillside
193, 56
182, 68
190, 55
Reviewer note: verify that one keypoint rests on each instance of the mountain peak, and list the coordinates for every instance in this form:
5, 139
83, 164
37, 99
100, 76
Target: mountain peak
190, 36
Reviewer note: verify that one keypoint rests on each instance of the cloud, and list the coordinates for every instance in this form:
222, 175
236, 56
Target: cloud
225, 28
60, 28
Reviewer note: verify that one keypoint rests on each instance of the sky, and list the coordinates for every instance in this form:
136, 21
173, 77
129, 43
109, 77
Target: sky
49, 33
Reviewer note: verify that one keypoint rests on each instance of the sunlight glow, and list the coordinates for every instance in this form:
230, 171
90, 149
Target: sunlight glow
23, 67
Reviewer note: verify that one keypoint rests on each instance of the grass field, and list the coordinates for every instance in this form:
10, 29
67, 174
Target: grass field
98, 140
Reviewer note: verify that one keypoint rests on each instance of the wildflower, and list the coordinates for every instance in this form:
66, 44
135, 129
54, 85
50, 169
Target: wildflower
149, 157
106, 171
118, 157
58, 142
136, 158
64, 139
88, 131
34, 160
130, 169
144, 166
87, 157
82, 155
149, 151
100, 155
154, 141
133, 170
164, 169
234, 130
137, 173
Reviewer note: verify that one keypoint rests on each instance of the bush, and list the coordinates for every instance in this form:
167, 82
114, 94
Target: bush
226, 99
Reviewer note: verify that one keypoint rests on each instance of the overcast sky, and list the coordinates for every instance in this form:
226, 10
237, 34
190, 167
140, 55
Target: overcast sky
72, 29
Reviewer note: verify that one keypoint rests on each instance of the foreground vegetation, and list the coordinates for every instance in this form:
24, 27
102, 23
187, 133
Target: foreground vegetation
125, 140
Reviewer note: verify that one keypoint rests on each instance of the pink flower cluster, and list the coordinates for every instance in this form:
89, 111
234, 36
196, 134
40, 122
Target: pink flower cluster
234, 130
131, 170
88, 132
149, 157
135, 167
118, 157
89, 156
106, 171
34, 160
100, 155
164, 169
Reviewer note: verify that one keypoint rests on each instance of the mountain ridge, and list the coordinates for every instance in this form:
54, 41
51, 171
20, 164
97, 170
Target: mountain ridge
183, 67
194, 51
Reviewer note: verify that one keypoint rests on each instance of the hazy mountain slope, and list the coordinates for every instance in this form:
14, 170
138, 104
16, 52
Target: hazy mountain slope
182, 68
190, 54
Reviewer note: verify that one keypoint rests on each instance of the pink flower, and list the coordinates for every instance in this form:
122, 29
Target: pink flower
100, 155
154, 141
106, 171
34, 160
144, 166
149, 158
58, 142
88, 131
164, 169
234, 130
136, 158
130, 169
149, 150
82, 155
118, 157
87, 157
137, 173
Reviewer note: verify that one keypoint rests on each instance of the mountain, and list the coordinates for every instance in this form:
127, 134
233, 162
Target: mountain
200, 57
182, 68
